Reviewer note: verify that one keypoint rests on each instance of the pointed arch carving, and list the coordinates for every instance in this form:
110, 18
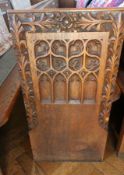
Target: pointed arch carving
75, 88
59, 89
45, 89
90, 89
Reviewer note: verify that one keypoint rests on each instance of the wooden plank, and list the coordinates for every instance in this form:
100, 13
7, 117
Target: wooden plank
13, 154
49, 167
106, 168
8, 94
96, 172
18, 161
116, 162
13, 168
66, 168
84, 169
29, 166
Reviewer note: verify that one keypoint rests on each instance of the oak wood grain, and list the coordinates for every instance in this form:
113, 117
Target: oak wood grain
68, 73
8, 96
16, 160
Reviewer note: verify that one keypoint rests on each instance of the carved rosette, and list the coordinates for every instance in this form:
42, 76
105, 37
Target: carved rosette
69, 21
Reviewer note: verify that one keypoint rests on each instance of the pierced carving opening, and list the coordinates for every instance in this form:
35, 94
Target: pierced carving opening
45, 89
94, 47
90, 89
43, 64
41, 48
23, 49
58, 64
76, 63
75, 48
92, 63
59, 48
22, 35
75, 88
59, 89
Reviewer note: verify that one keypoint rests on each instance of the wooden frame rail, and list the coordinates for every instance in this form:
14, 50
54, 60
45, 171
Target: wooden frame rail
8, 94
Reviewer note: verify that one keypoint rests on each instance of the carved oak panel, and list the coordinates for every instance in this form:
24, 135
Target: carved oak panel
75, 53
68, 62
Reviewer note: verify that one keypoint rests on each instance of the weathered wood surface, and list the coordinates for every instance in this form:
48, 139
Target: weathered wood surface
9, 91
16, 155
66, 102
68, 78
